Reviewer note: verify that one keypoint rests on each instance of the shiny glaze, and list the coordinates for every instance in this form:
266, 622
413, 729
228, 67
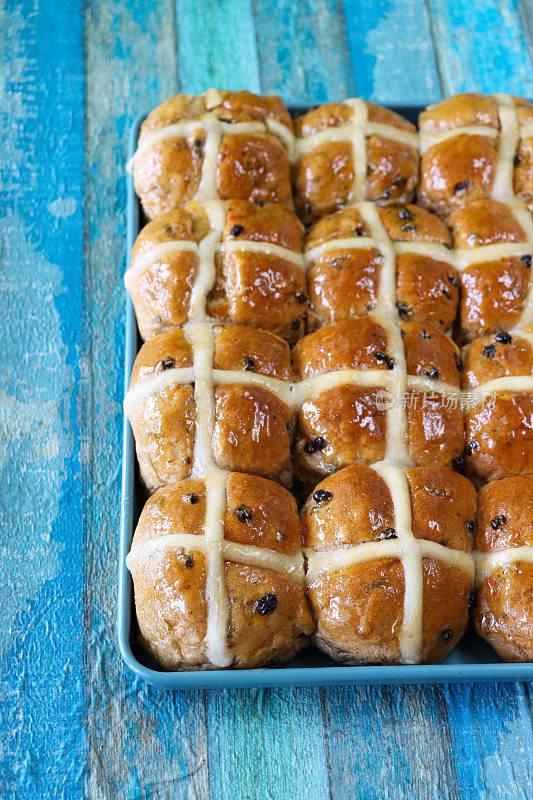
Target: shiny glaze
487, 358
170, 584
167, 175
492, 292
344, 283
323, 178
351, 420
504, 611
252, 427
446, 165
359, 611
509, 502
470, 158
360, 509
253, 288
502, 426
493, 296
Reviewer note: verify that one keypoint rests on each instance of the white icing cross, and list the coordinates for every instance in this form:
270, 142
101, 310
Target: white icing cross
356, 131
406, 548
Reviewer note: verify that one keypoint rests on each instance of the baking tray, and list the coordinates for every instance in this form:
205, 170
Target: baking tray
471, 661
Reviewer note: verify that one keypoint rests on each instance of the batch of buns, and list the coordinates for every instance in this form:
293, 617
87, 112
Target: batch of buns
337, 312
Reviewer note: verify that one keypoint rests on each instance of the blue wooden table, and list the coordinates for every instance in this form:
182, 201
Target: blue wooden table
73, 721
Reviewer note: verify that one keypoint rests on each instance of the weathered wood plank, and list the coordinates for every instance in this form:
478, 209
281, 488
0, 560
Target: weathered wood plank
41, 91
141, 743
481, 46
303, 50
266, 744
394, 739
216, 45
491, 734
392, 51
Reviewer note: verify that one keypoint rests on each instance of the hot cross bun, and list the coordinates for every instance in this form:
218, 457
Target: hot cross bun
217, 568
475, 146
252, 425
350, 254
389, 560
350, 151
231, 262
371, 391
227, 145
498, 379
493, 249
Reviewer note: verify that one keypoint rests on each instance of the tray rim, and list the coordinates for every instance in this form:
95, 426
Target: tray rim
335, 675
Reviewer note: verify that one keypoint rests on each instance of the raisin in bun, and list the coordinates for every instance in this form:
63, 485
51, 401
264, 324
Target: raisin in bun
350, 151
389, 563
252, 423
503, 613
217, 571
214, 145
231, 262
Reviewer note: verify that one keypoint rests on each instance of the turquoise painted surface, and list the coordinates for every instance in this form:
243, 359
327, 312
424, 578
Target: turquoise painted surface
73, 722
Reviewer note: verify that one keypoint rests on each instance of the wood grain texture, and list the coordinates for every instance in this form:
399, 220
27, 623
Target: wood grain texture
74, 721
392, 51
287, 34
481, 47
41, 132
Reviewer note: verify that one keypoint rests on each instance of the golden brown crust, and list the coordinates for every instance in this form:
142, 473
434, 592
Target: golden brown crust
446, 593
443, 507
491, 357
359, 612
360, 509
344, 283
359, 609
459, 111
253, 428
505, 514
249, 165
485, 222
499, 436
265, 639
348, 424
457, 171
493, 291
323, 177
237, 346
251, 288
503, 614
273, 518
170, 584
348, 344
326, 525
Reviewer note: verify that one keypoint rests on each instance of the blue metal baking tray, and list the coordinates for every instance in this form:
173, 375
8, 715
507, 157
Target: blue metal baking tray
471, 661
